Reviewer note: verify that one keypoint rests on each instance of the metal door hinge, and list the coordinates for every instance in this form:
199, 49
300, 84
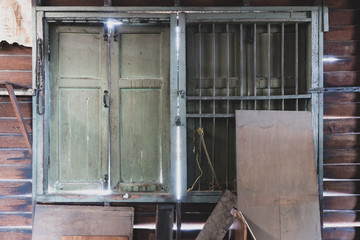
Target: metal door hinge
181, 93
316, 90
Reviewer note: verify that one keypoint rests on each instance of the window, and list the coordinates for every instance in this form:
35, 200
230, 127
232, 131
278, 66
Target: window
123, 98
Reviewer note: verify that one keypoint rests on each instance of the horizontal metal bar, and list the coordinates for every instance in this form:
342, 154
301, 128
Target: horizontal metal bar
18, 92
176, 9
209, 115
340, 89
274, 97
212, 19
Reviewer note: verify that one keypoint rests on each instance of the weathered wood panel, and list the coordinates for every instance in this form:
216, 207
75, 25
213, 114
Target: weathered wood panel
341, 203
19, 77
279, 147
347, 125
53, 222
342, 171
18, 234
14, 188
15, 157
342, 187
342, 79
341, 216
341, 97
15, 172
342, 48
12, 126
210, 3
339, 233
93, 238
162, 3
15, 62
16, 204
336, 4
73, 2
342, 33
349, 155
344, 63
346, 140
18, 219
344, 17
6, 109
14, 49
342, 109
12, 141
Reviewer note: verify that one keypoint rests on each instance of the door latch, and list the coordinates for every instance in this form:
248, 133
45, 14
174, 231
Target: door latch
106, 99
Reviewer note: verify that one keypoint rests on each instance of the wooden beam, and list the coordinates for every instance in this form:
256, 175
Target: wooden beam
19, 116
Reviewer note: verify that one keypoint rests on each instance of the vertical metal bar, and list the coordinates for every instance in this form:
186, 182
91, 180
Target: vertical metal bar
282, 65
241, 65
255, 65
178, 220
228, 102
269, 64
297, 64
214, 94
164, 221
200, 102
109, 32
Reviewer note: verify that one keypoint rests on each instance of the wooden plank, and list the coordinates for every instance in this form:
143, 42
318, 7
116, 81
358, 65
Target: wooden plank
341, 216
72, 2
12, 141
16, 204
344, 63
279, 147
342, 140
341, 97
342, 171
341, 79
220, 219
15, 172
342, 33
341, 203
15, 234
12, 125
348, 125
15, 62
14, 49
19, 77
18, 219
348, 233
336, 4
21, 99
341, 48
344, 17
341, 110
281, 3
6, 109
14, 188
54, 221
94, 238
349, 155
342, 187
15, 157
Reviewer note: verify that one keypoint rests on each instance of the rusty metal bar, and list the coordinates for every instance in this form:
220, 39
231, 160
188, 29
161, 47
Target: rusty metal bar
282, 65
297, 63
241, 66
269, 64
255, 65
214, 101
19, 115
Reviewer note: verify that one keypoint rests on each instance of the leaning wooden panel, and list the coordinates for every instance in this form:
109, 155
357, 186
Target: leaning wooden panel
53, 222
276, 175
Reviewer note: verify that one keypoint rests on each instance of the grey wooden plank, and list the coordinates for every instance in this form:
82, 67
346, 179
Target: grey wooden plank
276, 181
54, 221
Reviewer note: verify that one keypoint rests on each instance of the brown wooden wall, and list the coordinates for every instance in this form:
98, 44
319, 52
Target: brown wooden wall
341, 125
15, 160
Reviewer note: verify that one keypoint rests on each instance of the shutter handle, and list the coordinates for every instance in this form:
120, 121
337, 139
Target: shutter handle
106, 99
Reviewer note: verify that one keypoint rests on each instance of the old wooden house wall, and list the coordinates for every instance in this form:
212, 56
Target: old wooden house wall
342, 123
341, 126
15, 161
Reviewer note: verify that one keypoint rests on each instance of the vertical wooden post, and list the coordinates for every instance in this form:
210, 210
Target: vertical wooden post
164, 222
19, 115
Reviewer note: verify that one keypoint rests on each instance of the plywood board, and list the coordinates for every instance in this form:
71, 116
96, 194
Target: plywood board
276, 174
93, 238
55, 221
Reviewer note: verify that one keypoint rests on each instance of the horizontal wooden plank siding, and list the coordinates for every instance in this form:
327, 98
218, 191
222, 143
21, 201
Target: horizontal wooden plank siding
342, 187
344, 17
346, 233
342, 48
347, 4
16, 234
341, 203
342, 79
350, 125
340, 216
341, 33
348, 155
6, 109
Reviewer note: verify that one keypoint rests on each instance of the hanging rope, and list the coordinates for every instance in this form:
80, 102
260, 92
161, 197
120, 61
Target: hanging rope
200, 131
